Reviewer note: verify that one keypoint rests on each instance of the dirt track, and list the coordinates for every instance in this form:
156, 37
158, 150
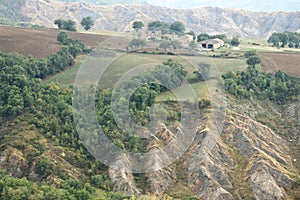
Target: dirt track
39, 43
286, 62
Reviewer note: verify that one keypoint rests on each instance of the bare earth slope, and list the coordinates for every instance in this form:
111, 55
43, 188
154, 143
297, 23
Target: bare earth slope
39, 43
120, 17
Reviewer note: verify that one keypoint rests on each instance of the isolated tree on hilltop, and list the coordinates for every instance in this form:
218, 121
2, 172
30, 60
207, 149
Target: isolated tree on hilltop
137, 25
178, 27
68, 25
235, 42
252, 58
87, 23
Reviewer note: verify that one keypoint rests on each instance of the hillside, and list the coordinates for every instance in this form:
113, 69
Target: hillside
120, 17
107, 2
39, 43
247, 149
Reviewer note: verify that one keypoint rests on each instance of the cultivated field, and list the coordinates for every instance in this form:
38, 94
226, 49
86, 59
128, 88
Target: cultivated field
39, 43
286, 62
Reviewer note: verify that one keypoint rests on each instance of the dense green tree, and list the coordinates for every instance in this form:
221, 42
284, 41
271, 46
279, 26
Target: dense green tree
63, 38
253, 60
250, 53
68, 25
87, 23
235, 42
175, 44
136, 43
159, 25
59, 23
177, 27
137, 25
165, 44
202, 36
287, 38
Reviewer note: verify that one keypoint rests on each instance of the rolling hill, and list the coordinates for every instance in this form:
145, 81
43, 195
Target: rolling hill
120, 17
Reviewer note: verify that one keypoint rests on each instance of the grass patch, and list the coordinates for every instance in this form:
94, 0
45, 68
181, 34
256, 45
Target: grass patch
200, 89
66, 77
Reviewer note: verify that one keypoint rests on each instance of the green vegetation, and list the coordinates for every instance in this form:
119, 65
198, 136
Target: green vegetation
137, 25
252, 58
235, 42
279, 88
47, 109
159, 25
12, 188
136, 43
204, 36
68, 25
176, 27
292, 39
87, 23
165, 44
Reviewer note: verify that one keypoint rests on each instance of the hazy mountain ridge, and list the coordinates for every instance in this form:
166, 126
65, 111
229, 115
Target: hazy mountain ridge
201, 20
107, 2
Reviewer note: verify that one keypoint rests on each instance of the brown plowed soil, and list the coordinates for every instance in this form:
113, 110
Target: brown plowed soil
286, 62
39, 43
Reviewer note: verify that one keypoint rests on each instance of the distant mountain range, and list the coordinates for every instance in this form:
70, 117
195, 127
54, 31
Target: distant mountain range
109, 2
251, 5
210, 20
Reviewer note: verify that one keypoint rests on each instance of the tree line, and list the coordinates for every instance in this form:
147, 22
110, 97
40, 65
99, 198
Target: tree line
290, 39
87, 23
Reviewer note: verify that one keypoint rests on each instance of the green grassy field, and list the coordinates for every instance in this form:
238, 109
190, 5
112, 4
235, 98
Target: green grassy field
128, 62
117, 69
66, 77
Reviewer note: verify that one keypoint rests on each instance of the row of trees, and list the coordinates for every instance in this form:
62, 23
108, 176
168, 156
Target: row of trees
292, 39
175, 27
87, 23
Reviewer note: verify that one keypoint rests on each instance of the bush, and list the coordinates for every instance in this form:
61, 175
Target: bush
204, 103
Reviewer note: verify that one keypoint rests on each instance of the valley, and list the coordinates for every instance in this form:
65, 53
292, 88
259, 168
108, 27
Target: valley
113, 113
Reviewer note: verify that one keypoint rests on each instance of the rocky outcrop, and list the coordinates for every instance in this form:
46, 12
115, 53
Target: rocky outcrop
13, 162
249, 160
120, 176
